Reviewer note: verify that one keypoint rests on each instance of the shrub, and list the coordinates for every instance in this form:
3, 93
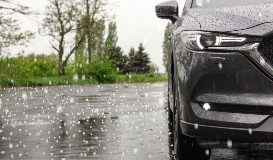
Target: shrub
29, 66
102, 71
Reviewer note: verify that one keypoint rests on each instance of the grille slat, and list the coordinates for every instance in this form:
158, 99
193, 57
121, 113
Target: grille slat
266, 49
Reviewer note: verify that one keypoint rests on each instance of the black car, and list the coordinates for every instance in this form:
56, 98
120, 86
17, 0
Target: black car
220, 68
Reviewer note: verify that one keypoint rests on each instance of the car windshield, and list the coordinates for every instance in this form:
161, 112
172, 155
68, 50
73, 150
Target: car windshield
223, 3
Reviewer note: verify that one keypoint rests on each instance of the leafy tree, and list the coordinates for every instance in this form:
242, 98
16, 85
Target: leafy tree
93, 26
168, 32
112, 37
141, 61
60, 23
11, 33
14, 6
98, 39
78, 37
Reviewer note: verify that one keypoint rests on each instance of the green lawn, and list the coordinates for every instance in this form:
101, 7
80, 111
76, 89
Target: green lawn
6, 81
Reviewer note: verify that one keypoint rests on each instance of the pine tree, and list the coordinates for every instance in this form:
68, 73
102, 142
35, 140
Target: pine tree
141, 61
115, 55
131, 56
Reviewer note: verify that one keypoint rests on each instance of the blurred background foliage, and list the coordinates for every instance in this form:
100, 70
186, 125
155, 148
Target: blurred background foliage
84, 44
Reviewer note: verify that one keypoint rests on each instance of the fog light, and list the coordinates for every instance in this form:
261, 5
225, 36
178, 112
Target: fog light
206, 106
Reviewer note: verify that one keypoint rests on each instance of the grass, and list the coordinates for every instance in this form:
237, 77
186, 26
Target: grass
6, 81
142, 78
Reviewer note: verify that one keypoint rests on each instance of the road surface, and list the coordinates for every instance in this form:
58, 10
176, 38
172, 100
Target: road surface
100, 122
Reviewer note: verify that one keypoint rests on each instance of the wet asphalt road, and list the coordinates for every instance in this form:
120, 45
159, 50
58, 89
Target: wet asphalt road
100, 122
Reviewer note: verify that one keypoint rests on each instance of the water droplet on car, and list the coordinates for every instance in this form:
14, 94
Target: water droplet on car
196, 126
250, 131
206, 106
220, 65
229, 143
207, 152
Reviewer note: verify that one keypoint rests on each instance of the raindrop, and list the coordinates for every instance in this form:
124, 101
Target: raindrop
83, 77
20, 154
24, 96
45, 91
10, 146
135, 150
60, 109
76, 77
229, 143
262, 61
71, 100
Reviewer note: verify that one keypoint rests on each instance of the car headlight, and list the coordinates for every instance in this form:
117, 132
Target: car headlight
204, 40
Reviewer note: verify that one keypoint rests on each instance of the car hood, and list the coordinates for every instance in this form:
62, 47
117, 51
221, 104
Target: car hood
250, 19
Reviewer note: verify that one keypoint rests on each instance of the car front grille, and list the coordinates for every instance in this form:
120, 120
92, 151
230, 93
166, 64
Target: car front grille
266, 49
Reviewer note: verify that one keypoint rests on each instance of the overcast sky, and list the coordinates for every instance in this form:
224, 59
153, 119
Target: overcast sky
136, 22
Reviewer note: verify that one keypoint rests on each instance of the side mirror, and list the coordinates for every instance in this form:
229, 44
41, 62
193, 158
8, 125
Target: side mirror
167, 10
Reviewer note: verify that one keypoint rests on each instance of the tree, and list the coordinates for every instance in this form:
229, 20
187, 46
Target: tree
141, 61
115, 55
131, 57
154, 69
10, 31
167, 34
112, 37
60, 23
14, 6
93, 25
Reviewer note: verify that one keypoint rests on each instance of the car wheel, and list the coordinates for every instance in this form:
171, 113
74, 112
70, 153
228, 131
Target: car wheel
186, 148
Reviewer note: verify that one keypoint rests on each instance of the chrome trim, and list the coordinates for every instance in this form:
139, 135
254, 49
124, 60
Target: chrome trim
252, 52
220, 40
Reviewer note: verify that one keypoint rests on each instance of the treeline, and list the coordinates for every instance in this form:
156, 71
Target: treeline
84, 45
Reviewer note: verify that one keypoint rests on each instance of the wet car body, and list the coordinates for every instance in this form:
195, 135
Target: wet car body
224, 92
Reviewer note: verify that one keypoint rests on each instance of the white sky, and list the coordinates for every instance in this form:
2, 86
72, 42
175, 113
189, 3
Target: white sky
136, 22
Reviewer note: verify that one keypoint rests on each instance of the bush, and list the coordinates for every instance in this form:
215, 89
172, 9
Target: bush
102, 71
5, 81
29, 66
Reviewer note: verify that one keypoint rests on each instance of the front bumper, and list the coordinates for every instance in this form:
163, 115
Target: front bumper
217, 136
228, 79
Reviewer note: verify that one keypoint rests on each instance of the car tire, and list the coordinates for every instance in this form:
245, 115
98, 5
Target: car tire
185, 148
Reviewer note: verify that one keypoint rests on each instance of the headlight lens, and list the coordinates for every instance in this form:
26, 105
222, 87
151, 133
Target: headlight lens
204, 40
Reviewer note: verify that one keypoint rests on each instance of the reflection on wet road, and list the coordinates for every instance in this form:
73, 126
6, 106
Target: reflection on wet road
106, 122
102, 122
